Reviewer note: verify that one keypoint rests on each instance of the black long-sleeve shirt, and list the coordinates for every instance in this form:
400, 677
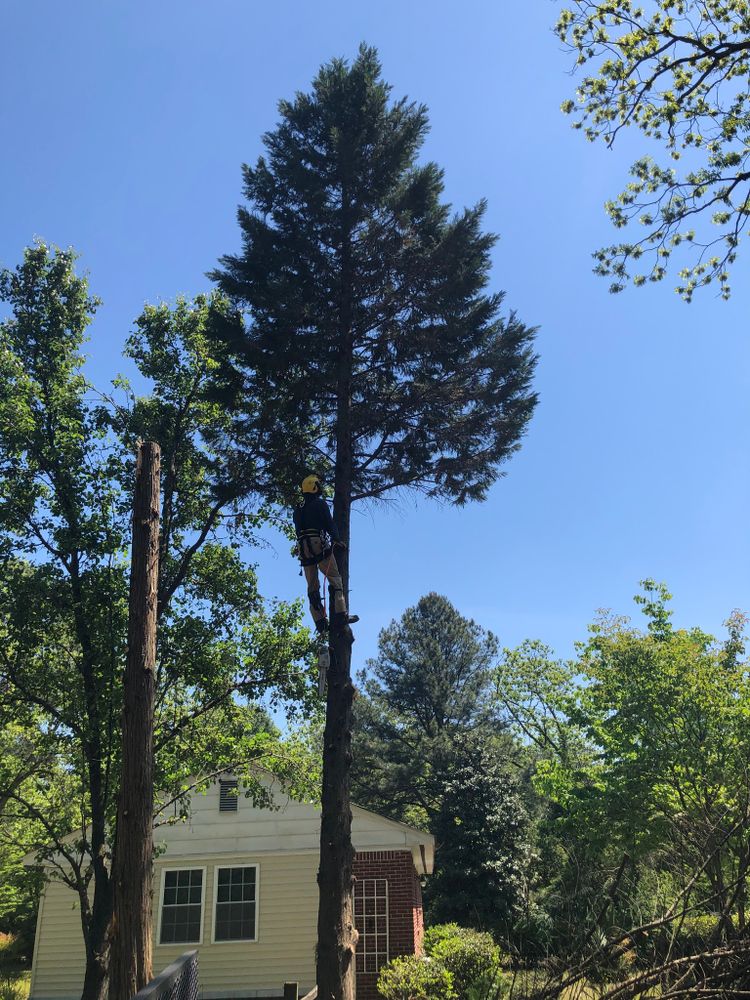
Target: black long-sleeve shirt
315, 514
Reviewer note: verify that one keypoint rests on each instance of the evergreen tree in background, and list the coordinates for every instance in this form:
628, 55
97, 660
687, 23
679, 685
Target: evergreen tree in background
370, 330
482, 850
426, 692
431, 749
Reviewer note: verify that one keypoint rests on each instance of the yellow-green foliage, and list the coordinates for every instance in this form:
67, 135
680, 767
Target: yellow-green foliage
15, 987
10, 953
471, 957
413, 978
14, 983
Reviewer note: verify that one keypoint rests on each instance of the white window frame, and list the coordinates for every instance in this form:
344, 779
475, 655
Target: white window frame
217, 869
181, 868
364, 938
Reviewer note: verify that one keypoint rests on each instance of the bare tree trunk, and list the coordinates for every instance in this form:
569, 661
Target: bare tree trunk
132, 869
336, 932
337, 938
96, 929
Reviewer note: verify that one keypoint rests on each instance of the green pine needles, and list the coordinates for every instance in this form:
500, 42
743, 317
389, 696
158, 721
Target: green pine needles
370, 328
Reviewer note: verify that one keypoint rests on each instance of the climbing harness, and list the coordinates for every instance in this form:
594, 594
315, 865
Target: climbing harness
316, 551
307, 555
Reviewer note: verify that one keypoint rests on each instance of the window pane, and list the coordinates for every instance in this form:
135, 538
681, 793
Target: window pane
181, 909
371, 918
180, 924
235, 904
235, 921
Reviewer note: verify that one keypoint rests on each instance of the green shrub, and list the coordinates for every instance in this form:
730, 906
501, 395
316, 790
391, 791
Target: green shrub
472, 958
532, 934
12, 990
440, 932
469, 956
10, 952
413, 978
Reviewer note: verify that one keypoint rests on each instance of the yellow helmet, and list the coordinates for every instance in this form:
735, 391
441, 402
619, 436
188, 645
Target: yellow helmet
311, 484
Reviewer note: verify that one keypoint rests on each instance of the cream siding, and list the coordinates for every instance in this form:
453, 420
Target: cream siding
286, 926
283, 843
59, 959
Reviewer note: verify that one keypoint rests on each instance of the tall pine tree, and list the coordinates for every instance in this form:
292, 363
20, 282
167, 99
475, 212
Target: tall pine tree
425, 694
431, 749
370, 329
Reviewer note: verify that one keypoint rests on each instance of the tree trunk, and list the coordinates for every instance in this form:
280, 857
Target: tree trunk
133, 857
337, 938
96, 938
336, 934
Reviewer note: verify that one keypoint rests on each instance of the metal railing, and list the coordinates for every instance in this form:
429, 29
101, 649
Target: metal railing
179, 981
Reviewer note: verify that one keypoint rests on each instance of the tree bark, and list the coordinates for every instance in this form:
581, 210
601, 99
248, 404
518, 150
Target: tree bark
337, 937
336, 931
96, 939
133, 857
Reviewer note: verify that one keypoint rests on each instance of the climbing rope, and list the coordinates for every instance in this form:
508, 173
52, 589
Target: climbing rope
325, 580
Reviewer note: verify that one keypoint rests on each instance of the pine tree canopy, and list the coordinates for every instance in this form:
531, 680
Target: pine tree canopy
364, 291
426, 693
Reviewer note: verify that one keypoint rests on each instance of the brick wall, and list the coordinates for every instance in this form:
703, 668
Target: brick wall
405, 923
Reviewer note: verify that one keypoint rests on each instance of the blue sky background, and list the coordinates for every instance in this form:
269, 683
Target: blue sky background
123, 129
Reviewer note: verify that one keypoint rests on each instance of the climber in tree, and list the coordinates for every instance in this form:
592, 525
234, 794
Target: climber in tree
317, 538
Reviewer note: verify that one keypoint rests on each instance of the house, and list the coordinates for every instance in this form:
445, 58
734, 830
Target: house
239, 884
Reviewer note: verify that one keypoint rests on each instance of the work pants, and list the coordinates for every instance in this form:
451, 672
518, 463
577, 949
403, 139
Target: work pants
329, 569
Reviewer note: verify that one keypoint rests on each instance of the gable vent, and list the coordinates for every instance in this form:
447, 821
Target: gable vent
228, 797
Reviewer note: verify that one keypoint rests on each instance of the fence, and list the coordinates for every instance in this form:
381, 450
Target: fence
179, 981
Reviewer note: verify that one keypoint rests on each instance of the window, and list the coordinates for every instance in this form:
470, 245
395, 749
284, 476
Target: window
228, 796
181, 918
371, 919
236, 903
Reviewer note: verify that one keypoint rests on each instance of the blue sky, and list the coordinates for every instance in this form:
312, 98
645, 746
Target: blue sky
124, 127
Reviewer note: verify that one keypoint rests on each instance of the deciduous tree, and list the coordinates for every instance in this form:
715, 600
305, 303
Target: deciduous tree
678, 70
66, 464
640, 747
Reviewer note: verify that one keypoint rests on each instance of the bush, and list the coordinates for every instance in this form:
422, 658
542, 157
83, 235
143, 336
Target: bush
12, 990
440, 932
532, 934
686, 938
412, 978
470, 956
11, 953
